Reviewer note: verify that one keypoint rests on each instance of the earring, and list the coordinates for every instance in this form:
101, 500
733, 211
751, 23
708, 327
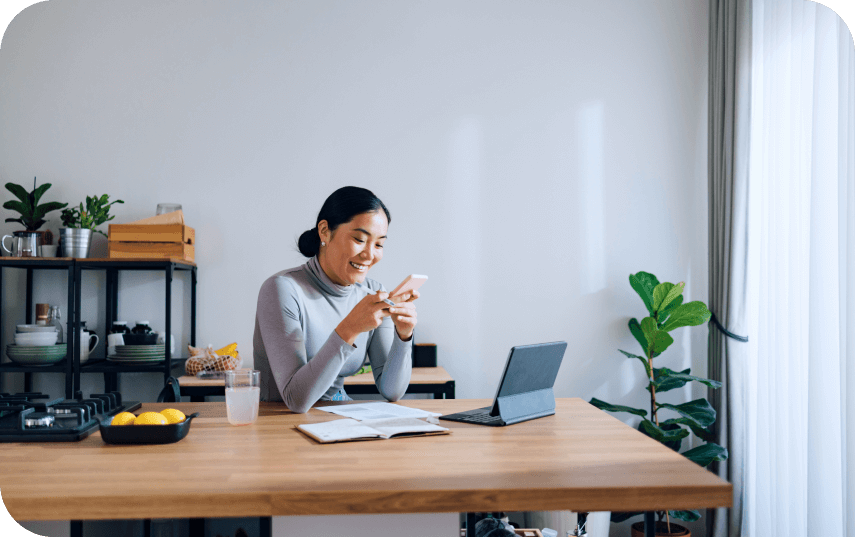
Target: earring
323, 243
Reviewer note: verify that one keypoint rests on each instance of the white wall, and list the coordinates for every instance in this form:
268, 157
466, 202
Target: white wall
533, 155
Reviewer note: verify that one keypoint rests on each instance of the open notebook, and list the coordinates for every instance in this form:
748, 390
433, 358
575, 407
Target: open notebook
348, 430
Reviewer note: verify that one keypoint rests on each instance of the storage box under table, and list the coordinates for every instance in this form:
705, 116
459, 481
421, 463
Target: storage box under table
151, 241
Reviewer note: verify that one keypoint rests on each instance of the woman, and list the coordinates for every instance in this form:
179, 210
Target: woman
315, 324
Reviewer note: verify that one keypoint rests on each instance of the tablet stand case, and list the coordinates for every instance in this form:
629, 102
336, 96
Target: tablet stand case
525, 406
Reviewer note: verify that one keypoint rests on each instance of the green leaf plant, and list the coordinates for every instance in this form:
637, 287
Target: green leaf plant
667, 312
27, 205
93, 214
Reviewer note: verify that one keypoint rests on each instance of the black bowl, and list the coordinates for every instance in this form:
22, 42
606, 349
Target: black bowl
139, 339
146, 434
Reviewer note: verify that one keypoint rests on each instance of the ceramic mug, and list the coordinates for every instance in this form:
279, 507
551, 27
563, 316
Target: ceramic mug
85, 343
161, 339
112, 341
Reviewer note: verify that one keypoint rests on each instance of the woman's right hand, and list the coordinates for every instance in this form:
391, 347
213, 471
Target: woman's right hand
367, 315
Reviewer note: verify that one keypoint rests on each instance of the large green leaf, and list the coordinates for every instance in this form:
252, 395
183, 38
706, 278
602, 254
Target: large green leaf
704, 434
637, 357
697, 412
673, 292
664, 293
657, 340
602, 405
665, 379
688, 516
661, 341
37, 193
644, 283
638, 333
691, 314
45, 208
17, 206
664, 382
662, 435
677, 444
19, 192
663, 315
14, 220
705, 454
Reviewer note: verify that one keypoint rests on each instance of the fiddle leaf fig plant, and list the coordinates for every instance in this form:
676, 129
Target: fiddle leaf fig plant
667, 312
95, 213
27, 205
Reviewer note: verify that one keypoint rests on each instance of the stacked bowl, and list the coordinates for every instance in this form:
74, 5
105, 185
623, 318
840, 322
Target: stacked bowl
36, 345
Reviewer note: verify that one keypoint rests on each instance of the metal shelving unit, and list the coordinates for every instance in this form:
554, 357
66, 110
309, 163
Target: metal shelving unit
71, 365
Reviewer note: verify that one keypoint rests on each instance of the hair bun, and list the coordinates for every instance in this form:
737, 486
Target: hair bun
309, 242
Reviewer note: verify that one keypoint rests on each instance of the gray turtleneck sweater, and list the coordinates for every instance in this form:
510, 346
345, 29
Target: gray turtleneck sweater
301, 357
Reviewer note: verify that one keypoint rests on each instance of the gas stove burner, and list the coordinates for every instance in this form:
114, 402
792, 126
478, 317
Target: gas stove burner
34, 417
61, 410
39, 419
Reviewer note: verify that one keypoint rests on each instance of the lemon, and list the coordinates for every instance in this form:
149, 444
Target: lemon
150, 418
123, 418
230, 350
172, 415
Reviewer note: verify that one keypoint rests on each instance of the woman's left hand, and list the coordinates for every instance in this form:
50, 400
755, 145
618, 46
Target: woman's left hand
404, 314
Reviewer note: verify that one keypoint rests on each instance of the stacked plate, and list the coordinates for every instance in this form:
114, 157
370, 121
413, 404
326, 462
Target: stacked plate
41, 355
138, 354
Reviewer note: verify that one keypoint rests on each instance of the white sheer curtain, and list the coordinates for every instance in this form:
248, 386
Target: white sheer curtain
800, 457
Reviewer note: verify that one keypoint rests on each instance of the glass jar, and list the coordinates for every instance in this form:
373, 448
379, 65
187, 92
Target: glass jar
120, 327
142, 327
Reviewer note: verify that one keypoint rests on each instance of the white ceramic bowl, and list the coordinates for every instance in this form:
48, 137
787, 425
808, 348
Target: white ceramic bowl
36, 339
35, 328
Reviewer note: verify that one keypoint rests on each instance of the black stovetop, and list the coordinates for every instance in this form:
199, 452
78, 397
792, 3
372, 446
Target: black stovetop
34, 417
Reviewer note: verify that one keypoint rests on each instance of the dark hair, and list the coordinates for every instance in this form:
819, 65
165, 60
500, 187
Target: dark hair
340, 208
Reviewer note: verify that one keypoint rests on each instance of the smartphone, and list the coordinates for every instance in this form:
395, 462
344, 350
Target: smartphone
410, 283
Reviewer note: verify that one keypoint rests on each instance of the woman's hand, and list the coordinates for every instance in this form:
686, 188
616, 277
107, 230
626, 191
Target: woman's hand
404, 314
366, 315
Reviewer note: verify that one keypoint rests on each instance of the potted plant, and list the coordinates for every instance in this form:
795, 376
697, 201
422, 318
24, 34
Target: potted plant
81, 221
664, 303
32, 214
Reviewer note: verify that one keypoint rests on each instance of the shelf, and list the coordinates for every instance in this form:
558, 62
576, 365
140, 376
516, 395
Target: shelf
12, 367
135, 263
103, 366
37, 262
112, 267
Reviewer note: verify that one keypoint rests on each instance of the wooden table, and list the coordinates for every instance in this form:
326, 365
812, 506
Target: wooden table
435, 380
580, 459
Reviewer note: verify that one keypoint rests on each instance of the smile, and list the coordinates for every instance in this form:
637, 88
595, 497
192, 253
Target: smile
359, 267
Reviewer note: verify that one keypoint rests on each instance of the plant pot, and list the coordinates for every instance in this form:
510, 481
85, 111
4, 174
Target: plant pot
75, 242
677, 530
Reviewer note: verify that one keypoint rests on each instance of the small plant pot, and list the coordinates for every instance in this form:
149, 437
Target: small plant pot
75, 242
677, 530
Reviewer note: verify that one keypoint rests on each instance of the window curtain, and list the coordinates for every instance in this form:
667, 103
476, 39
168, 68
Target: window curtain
728, 166
799, 381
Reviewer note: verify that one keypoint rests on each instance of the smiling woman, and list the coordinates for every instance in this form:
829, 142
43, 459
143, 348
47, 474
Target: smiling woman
316, 323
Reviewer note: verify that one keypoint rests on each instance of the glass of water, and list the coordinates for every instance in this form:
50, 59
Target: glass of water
163, 208
243, 390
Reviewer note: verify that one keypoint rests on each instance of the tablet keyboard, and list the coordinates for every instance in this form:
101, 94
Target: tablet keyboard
480, 418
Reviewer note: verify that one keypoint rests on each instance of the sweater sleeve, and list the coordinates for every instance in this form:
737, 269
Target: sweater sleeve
300, 381
391, 360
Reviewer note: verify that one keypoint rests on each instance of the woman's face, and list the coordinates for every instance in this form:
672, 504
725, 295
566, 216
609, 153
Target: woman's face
353, 248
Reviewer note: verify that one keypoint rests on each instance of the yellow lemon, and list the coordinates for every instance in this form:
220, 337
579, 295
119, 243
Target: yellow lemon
230, 350
150, 418
123, 418
172, 415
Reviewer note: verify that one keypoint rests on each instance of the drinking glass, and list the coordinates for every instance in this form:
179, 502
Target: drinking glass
163, 208
243, 391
